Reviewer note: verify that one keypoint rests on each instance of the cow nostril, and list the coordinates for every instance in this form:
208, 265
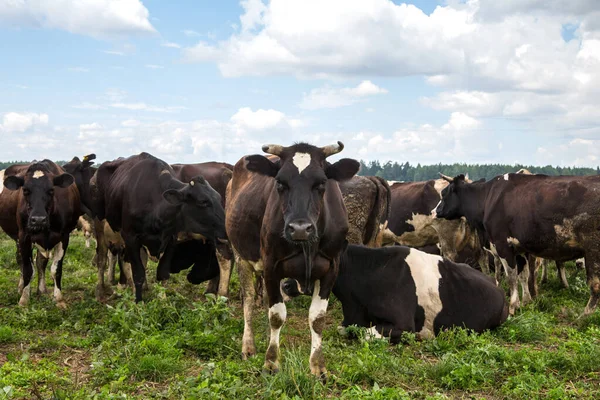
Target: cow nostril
310, 228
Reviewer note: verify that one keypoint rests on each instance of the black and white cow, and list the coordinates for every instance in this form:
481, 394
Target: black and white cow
399, 289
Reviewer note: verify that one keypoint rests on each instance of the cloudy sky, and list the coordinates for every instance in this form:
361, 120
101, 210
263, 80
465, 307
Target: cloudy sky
189, 81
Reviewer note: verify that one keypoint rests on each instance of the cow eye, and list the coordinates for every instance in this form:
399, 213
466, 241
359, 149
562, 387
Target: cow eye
51, 192
204, 203
26, 192
281, 186
320, 186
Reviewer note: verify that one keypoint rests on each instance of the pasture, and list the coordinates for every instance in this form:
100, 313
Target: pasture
187, 346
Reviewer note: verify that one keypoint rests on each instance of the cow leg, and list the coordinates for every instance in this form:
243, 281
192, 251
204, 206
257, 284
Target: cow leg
277, 316
316, 320
534, 267
101, 259
592, 268
112, 263
26, 270
56, 270
132, 249
225, 267
524, 277
508, 260
562, 274
498, 269
246, 274
544, 266
144, 258
41, 262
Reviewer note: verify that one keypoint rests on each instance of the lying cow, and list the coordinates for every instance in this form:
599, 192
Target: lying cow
40, 207
397, 289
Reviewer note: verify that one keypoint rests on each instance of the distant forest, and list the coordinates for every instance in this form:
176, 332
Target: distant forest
394, 171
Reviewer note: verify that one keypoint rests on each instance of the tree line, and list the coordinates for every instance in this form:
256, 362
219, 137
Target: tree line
394, 171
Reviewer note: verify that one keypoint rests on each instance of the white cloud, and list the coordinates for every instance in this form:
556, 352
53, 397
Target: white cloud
89, 106
171, 44
97, 18
114, 52
22, 122
190, 33
154, 66
130, 123
246, 119
147, 107
328, 97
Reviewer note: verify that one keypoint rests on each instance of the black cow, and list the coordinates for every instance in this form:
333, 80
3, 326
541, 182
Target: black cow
550, 217
397, 289
286, 217
141, 198
40, 207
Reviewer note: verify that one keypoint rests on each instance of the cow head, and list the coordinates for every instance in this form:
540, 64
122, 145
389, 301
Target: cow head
201, 211
301, 175
82, 172
38, 186
450, 207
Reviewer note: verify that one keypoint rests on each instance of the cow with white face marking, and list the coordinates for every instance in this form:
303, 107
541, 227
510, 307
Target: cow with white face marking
397, 289
40, 207
286, 218
556, 218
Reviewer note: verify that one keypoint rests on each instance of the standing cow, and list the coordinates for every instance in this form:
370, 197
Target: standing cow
551, 217
40, 207
141, 198
286, 218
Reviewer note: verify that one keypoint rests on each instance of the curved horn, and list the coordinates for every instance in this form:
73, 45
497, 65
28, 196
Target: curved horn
89, 157
274, 149
445, 177
333, 149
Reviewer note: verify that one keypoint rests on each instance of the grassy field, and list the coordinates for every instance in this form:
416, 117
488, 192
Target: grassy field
188, 345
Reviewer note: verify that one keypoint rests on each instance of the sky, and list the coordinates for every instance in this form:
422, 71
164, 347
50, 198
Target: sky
476, 81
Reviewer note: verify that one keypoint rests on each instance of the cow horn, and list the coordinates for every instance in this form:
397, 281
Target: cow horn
445, 177
333, 149
274, 149
89, 157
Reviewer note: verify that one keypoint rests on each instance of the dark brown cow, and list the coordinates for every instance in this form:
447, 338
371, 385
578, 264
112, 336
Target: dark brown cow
551, 217
286, 218
40, 207
368, 201
218, 175
142, 199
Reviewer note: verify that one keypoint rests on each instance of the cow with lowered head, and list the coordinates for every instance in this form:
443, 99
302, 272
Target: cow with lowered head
286, 218
40, 207
556, 218
141, 198
397, 289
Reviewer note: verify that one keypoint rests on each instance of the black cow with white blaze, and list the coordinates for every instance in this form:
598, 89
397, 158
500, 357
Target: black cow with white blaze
392, 290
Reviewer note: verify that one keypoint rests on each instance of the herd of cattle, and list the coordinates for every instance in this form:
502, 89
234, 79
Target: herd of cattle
400, 257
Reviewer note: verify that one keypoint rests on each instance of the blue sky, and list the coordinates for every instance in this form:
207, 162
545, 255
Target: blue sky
191, 81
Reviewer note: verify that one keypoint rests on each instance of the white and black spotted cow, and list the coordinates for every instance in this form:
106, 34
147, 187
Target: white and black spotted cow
398, 289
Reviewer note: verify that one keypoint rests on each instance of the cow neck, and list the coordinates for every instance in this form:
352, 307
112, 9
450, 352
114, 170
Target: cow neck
473, 198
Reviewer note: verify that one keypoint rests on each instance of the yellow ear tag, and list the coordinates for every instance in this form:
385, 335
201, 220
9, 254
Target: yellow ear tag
192, 183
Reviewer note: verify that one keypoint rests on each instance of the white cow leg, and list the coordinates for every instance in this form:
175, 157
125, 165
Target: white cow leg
56, 271
316, 320
277, 317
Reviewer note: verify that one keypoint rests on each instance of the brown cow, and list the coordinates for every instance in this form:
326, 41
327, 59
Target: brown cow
286, 218
40, 207
551, 217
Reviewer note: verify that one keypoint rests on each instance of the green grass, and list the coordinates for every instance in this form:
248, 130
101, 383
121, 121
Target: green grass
187, 346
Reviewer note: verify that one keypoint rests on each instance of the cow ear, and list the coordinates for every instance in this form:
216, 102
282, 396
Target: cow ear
342, 170
63, 180
14, 182
262, 165
173, 196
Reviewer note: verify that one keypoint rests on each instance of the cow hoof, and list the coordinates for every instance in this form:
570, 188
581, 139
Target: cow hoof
320, 372
61, 304
42, 291
23, 303
271, 367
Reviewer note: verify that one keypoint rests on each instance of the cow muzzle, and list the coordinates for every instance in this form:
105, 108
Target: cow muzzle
37, 223
300, 231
